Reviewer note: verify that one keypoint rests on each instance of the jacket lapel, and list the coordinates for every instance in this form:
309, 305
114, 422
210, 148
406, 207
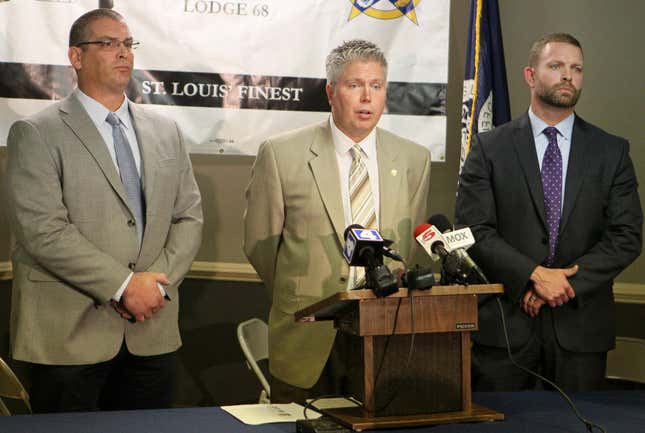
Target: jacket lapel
74, 115
390, 178
578, 157
145, 133
146, 137
525, 148
324, 168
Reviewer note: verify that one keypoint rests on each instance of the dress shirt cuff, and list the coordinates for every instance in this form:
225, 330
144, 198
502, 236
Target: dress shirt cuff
119, 293
163, 292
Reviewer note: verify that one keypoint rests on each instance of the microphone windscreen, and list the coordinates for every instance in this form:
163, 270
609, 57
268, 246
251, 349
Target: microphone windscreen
441, 222
421, 228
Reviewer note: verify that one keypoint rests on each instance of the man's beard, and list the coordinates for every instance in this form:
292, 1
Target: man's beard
551, 96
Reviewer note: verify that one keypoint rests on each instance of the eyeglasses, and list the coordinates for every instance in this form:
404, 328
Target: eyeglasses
112, 44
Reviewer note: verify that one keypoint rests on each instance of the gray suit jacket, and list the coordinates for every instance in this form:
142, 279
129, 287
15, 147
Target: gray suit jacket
75, 240
501, 199
294, 228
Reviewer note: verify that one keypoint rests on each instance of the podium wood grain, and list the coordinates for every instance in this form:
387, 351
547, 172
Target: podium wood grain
414, 354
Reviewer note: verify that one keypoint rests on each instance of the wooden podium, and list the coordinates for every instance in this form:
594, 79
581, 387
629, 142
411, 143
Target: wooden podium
435, 386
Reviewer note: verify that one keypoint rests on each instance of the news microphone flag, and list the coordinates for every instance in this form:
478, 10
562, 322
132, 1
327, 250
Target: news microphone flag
462, 238
357, 237
485, 95
427, 235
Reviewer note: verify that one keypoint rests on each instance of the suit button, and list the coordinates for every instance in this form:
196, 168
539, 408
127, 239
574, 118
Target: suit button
131, 266
131, 223
545, 241
343, 279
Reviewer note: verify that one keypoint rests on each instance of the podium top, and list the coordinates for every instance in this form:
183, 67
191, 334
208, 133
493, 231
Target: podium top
327, 308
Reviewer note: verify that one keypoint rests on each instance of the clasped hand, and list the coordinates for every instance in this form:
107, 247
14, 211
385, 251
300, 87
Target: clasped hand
142, 297
550, 286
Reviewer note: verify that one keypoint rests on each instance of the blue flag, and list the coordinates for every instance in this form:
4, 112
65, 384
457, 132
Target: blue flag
485, 99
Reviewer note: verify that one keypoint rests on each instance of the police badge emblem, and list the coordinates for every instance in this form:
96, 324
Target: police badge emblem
395, 9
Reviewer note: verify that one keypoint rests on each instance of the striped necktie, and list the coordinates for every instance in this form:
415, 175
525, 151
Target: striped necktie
361, 200
360, 192
129, 174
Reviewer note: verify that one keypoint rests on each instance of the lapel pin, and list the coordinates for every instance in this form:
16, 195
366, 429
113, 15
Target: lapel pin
393, 172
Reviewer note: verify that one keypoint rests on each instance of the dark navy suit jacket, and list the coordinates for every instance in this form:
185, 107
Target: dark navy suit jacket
500, 197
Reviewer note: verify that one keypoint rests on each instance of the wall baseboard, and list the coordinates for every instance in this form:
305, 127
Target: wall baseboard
629, 293
223, 271
5, 271
626, 293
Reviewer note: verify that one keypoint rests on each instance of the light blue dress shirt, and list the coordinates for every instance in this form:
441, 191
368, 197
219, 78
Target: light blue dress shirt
98, 113
565, 131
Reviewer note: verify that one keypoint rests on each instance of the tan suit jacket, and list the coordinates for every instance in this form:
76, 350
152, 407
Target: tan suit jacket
294, 228
75, 238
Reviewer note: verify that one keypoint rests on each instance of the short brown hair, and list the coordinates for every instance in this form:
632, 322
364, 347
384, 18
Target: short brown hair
79, 31
538, 46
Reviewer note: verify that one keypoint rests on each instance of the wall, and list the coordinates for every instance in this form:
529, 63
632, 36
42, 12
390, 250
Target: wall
611, 99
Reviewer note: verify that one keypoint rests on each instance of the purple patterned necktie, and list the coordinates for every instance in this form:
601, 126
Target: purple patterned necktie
552, 186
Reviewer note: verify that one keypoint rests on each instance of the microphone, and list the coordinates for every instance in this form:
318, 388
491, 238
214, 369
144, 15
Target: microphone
358, 237
456, 239
459, 266
362, 246
441, 221
389, 252
432, 241
366, 248
418, 278
459, 239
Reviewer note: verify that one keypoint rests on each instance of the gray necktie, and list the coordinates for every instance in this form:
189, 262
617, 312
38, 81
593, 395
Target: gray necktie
128, 172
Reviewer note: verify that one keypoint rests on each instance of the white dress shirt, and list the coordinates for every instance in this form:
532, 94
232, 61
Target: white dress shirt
342, 145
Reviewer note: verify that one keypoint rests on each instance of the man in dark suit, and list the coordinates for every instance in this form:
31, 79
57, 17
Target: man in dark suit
553, 203
107, 218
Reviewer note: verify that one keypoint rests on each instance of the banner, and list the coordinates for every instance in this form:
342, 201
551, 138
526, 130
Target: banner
485, 99
234, 72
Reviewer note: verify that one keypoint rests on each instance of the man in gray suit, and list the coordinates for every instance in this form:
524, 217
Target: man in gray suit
553, 203
107, 219
306, 187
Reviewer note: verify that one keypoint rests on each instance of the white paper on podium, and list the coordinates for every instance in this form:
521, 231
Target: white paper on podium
256, 414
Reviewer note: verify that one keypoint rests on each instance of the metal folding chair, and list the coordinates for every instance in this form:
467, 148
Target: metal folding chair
10, 387
627, 361
253, 336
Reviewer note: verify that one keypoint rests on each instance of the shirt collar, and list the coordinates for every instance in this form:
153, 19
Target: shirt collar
342, 143
98, 112
564, 127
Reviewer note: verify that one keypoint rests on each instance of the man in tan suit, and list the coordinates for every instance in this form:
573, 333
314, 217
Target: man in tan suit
301, 198
107, 219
